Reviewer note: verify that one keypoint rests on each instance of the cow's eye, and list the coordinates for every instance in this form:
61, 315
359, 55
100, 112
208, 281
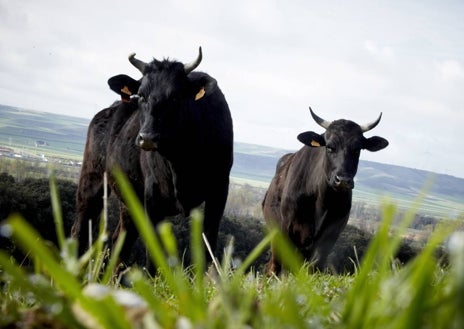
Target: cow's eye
330, 149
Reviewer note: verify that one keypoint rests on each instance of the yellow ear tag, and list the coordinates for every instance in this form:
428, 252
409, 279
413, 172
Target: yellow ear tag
126, 91
200, 94
315, 144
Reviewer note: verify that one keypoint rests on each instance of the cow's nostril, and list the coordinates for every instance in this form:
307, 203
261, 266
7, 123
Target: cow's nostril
343, 182
140, 139
146, 142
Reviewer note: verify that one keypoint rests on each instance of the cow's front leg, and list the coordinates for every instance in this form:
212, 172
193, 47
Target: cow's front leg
214, 209
325, 241
274, 266
155, 213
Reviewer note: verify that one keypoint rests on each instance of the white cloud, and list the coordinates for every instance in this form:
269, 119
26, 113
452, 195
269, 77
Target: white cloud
383, 52
272, 61
451, 70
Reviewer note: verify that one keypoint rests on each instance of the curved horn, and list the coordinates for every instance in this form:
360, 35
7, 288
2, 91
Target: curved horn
137, 63
193, 65
321, 122
371, 125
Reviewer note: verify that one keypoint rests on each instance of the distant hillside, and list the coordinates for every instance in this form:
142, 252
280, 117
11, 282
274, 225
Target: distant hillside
443, 194
63, 135
22, 129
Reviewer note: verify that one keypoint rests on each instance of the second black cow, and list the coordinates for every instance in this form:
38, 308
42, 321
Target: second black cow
173, 139
309, 198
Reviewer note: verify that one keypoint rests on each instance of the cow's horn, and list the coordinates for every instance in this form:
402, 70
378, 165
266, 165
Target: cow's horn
193, 65
137, 63
321, 122
371, 125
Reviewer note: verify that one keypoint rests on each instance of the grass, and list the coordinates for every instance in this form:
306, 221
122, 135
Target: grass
63, 290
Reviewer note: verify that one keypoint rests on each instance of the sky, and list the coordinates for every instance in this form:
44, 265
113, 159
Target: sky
272, 59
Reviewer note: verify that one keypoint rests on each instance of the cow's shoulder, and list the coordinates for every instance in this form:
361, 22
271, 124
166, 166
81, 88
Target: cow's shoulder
284, 161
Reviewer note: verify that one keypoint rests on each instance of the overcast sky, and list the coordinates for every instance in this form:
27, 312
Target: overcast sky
272, 59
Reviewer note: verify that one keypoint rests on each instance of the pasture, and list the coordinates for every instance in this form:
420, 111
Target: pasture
61, 290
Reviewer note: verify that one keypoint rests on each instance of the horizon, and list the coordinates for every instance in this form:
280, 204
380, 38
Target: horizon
269, 147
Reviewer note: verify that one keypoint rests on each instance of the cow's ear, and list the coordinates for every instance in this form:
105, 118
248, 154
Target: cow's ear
201, 92
124, 85
375, 143
310, 138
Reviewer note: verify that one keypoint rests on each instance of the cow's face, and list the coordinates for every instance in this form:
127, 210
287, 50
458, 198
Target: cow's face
343, 141
164, 95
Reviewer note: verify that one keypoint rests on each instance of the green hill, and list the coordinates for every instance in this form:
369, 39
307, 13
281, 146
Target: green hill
25, 129
38, 134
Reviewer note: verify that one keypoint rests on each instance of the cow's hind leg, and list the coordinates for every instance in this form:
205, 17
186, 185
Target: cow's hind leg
274, 266
127, 225
89, 204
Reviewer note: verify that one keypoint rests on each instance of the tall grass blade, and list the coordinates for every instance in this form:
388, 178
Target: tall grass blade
57, 213
290, 259
113, 261
197, 252
256, 252
106, 313
165, 315
211, 254
30, 241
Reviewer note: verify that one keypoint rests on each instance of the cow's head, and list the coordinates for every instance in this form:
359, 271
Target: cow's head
343, 141
164, 94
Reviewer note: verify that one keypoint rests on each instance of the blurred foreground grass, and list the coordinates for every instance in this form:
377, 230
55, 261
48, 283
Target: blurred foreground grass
64, 291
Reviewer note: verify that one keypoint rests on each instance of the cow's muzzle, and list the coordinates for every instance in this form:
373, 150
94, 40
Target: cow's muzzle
341, 183
145, 142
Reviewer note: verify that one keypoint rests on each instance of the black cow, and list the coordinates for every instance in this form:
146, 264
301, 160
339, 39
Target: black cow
173, 139
310, 195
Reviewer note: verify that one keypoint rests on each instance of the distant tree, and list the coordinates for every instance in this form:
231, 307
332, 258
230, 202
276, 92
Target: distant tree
31, 198
424, 222
246, 233
352, 245
348, 250
244, 201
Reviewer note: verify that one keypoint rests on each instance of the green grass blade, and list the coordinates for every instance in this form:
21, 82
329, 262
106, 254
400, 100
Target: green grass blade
113, 262
164, 314
29, 240
290, 259
256, 252
169, 243
144, 226
57, 213
198, 252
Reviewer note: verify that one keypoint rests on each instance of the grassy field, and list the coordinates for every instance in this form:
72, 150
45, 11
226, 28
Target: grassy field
64, 291
433, 205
